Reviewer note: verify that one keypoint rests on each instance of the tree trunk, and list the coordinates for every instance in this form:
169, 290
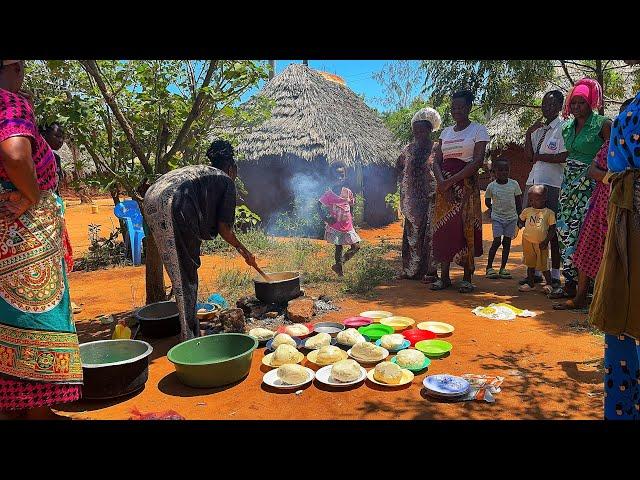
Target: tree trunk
272, 69
600, 78
154, 273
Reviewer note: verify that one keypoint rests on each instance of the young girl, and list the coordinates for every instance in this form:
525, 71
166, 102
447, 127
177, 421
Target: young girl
339, 223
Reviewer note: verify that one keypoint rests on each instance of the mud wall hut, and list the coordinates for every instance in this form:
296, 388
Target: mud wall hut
316, 122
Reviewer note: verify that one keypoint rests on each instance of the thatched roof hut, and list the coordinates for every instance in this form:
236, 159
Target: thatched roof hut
316, 121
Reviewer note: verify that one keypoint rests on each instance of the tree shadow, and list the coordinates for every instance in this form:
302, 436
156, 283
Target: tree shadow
542, 396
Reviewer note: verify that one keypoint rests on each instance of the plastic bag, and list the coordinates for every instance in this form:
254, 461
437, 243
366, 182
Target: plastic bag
166, 415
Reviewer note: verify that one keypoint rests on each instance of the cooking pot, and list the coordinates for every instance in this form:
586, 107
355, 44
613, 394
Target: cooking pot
159, 320
113, 368
284, 286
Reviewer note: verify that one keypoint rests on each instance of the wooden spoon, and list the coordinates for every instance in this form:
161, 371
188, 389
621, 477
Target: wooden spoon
264, 275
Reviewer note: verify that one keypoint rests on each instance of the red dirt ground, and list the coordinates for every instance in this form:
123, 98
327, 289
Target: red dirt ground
551, 370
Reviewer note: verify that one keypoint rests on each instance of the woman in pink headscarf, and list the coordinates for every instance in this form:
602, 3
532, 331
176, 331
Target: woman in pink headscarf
584, 135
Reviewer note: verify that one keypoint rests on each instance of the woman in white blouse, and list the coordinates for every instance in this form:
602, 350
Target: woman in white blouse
457, 226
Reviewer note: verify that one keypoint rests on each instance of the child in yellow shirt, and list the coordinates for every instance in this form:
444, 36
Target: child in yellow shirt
539, 224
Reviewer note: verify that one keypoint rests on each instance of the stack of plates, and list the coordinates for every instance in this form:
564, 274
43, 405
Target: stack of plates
446, 386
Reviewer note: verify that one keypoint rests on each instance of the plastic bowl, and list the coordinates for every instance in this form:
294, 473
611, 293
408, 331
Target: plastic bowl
415, 335
374, 331
355, 322
398, 323
376, 315
210, 311
434, 348
214, 360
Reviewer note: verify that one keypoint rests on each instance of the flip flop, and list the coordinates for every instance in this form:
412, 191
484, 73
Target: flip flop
526, 288
466, 287
440, 285
492, 274
504, 273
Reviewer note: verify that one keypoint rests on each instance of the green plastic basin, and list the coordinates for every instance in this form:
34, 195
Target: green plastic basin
213, 360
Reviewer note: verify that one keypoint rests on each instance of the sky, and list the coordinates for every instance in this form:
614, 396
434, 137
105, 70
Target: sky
358, 74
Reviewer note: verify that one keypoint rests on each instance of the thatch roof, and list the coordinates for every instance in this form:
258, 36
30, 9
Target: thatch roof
315, 117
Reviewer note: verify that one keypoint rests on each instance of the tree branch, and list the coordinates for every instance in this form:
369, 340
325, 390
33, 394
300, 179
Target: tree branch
193, 114
91, 67
566, 72
582, 65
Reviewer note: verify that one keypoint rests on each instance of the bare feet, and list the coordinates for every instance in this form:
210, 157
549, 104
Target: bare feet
338, 269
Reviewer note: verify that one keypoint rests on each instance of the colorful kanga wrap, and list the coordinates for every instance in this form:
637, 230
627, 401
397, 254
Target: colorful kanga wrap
622, 374
594, 229
457, 226
417, 202
39, 355
616, 294
577, 187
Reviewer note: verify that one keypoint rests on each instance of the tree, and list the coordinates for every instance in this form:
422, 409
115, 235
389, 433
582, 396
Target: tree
497, 84
506, 85
141, 119
401, 81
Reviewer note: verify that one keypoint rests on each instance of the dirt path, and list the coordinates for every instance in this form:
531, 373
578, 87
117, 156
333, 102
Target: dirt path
551, 370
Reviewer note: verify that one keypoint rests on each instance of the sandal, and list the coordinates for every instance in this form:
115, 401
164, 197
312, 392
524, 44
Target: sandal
492, 274
466, 287
429, 278
504, 273
569, 305
548, 289
440, 285
526, 288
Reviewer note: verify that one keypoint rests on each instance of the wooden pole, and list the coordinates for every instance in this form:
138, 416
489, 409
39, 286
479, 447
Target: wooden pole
272, 69
305, 62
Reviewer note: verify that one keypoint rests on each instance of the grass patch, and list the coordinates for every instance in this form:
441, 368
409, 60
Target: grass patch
254, 239
233, 284
368, 269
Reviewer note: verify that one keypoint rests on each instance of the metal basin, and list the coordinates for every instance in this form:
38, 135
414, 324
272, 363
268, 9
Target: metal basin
332, 328
213, 360
113, 368
284, 286
159, 320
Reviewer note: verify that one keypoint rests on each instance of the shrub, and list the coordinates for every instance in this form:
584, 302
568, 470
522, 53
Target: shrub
368, 269
103, 252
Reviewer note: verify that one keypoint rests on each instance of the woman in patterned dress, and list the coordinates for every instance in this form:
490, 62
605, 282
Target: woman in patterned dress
417, 198
584, 136
39, 355
183, 208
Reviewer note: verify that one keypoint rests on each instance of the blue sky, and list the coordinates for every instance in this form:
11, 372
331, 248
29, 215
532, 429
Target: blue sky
358, 74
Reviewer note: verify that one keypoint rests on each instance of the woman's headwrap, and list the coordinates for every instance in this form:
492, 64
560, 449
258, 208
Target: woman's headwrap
589, 89
429, 115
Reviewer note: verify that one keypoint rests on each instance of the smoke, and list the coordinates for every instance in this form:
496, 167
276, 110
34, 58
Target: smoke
300, 217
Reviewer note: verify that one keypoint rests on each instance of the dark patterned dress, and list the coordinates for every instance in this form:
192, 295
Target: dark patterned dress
417, 193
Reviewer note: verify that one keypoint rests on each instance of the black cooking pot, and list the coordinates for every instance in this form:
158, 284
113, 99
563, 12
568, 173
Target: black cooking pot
159, 320
284, 286
113, 368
